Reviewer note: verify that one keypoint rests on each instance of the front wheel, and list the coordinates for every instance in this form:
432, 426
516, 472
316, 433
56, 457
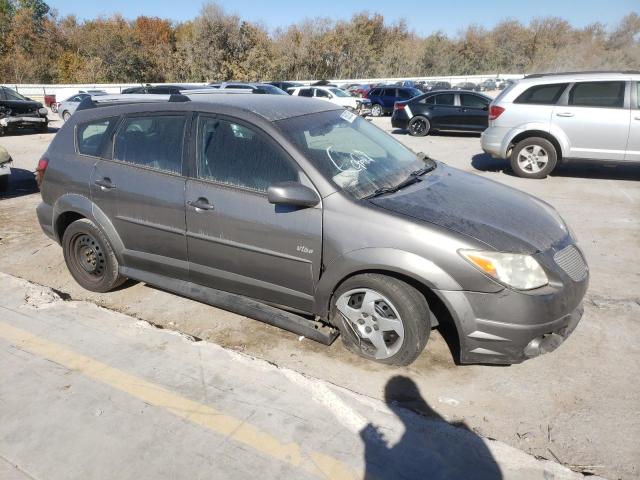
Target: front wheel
66, 116
419, 127
90, 257
4, 183
533, 157
376, 110
381, 318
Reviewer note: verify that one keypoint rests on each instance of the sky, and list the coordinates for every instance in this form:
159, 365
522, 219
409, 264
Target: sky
424, 17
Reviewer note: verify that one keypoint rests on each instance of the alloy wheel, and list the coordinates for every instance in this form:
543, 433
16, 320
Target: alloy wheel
532, 159
373, 321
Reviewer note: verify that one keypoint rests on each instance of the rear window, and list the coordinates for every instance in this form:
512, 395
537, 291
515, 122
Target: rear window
542, 94
90, 136
597, 94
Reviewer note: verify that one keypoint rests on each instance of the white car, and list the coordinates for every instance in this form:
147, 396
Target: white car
334, 95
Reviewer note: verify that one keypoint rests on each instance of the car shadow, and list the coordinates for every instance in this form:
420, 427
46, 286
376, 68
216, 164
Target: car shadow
399, 131
21, 182
21, 132
575, 168
430, 447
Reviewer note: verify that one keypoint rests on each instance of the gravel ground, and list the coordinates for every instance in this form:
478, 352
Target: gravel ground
578, 405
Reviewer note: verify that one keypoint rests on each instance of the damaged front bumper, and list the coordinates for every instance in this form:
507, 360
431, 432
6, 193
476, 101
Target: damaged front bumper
5, 168
22, 121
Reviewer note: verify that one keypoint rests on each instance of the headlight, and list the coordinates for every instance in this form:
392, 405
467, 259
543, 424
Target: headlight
43, 111
519, 271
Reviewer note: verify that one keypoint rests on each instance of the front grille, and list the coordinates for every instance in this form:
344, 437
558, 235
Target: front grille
572, 262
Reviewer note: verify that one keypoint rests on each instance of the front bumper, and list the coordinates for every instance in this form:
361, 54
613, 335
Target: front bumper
5, 169
511, 326
22, 121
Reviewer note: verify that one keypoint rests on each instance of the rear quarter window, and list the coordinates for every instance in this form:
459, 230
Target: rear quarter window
547, 94
90, 136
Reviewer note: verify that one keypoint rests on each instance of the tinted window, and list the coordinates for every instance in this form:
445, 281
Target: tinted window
235, 155
389, 92
153, 141
429, 100
542, 94
473, 101
321, 93
597, 94
404, 94
90, 136
445, 99
305, 92
375, 92
11, 95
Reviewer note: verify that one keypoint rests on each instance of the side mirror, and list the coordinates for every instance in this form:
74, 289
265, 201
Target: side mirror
292, 193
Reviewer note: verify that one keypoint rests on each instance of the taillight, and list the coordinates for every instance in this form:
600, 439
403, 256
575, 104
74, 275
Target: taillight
399, 106
43, 163
495, 111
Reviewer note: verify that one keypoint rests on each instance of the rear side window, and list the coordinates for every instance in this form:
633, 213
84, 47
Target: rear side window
305, 92
597, 94
321, 93
428, 101
445, 99
542, 94
404, 94
473, 101
389, 92
90, 136
151, 141
234, 155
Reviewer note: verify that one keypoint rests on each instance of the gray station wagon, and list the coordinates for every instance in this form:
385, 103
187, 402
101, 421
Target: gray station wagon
301, 214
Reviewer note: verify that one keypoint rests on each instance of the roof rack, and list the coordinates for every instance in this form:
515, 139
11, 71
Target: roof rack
538, 75
128, 98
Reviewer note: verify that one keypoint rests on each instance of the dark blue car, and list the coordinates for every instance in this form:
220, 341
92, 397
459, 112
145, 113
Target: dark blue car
383, 98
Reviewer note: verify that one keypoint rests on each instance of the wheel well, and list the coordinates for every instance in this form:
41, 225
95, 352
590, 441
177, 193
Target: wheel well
64, 220
446, 323
536, 133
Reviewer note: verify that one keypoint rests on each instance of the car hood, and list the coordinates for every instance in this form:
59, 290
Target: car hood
17, 107
502, 217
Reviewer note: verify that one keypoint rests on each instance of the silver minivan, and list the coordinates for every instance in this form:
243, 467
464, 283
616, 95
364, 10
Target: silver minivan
543, 120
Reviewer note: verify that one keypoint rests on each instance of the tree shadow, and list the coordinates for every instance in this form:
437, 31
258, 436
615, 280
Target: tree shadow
575, 168
21, 182
430, 448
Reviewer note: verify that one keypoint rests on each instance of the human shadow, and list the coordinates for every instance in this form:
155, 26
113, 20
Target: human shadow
574, 168
430, 448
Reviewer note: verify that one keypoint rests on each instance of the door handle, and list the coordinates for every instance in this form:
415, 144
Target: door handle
105, 184
564, 114
200, 205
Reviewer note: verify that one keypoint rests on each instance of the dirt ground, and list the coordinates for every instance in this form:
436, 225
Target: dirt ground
578, 405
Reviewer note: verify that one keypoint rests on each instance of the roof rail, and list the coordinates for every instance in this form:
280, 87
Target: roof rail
539, 75
128, 98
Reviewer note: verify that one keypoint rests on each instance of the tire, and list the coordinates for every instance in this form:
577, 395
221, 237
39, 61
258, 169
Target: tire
392, 326
533, 157
66, 116
376, 110
4, 183
419, 127
90, 258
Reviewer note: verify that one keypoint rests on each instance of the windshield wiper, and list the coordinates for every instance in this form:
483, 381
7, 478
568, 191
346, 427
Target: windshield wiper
410, 180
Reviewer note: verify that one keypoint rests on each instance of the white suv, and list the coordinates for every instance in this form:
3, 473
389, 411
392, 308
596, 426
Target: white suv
334, 95
544, 119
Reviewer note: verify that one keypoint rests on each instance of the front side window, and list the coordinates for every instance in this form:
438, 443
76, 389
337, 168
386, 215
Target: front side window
153, 141
547, 94
90, 136
305, 92
473, 101
445, 99
597, 94
11, 95
349, 151
374, 93
321, 93
237, 156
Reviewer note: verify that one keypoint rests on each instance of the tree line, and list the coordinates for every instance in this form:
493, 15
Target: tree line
38, 46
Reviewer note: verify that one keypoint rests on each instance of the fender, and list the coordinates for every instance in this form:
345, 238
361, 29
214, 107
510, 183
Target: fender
388, 259
547, 127
82, 205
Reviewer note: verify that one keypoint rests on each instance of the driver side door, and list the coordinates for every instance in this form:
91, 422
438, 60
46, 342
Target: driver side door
238, 241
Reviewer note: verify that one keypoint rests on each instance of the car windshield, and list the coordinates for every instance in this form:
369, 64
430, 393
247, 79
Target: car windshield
272, 90
355, 155
12, 95
339, 93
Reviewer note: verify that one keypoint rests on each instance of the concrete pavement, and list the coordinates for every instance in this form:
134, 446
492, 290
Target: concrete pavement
89, 393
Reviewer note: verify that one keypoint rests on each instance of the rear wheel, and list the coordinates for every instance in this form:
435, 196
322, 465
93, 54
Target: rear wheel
382, 318
376, 110
533, 157
89, 257
66, 116
419, 127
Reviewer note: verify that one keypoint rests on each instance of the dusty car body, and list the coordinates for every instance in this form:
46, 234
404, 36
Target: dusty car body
315, 213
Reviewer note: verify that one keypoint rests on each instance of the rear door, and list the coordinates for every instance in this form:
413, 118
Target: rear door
633, 144
474, 112
389, 97
445, 110
141, 189
237, 240
594, 116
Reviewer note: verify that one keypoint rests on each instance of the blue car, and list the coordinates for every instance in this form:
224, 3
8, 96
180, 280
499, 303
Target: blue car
383, 98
